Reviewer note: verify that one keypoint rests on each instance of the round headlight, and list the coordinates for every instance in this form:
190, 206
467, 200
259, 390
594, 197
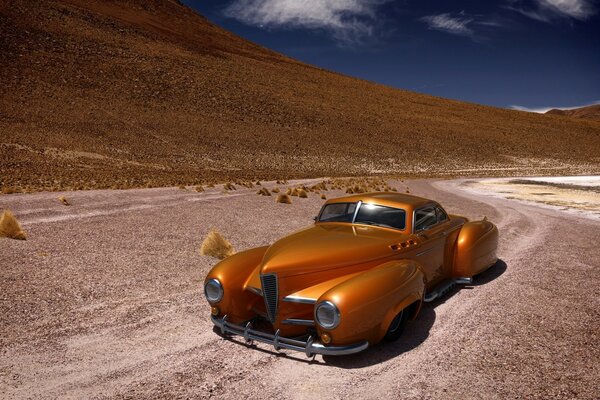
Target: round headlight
213, 291
327, 315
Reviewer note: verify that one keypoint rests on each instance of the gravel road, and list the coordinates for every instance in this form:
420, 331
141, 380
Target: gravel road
104, 300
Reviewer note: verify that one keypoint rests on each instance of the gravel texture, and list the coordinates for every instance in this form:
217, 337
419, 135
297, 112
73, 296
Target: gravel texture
104, 300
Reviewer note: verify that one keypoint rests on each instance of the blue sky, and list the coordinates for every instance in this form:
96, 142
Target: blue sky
528, 54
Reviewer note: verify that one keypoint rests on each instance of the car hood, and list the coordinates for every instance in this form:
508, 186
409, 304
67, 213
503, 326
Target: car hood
327, 246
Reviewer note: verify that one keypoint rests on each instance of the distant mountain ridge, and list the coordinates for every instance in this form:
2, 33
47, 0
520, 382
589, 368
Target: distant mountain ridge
144, 93
588, 112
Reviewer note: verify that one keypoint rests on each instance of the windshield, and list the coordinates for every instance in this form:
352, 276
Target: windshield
338, 212
368, 214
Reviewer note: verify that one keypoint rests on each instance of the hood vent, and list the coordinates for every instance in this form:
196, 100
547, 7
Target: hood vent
269, 288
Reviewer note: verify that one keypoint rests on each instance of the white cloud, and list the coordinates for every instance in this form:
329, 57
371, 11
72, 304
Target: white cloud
348, 20
579, 9
547, 10
457, 25
541, 110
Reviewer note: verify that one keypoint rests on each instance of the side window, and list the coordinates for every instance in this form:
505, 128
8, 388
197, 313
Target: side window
441, 214
425, 218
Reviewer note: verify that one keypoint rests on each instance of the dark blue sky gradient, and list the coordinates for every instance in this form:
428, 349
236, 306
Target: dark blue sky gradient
516, 61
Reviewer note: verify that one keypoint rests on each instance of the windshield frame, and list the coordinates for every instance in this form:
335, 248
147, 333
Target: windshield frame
356, 210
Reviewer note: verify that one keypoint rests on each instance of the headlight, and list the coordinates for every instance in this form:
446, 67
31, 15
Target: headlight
327, 315
213, 291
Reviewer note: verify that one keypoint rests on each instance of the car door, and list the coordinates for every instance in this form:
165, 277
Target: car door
430, 225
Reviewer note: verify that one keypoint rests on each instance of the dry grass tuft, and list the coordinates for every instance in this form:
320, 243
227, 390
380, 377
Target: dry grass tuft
216, 246
407, 191
199, 189
294, 192
264, 192
64, 200
182, 187
229, 186
276, 190
10, 227
284, 198
302, 193
323, 197
10, 190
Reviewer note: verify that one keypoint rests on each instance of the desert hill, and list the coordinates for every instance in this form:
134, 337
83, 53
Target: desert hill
588, 112
147, 93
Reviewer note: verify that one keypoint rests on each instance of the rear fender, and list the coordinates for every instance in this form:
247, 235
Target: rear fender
369, 301
476, 248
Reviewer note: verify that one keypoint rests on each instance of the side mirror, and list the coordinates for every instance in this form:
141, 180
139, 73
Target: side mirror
315, 218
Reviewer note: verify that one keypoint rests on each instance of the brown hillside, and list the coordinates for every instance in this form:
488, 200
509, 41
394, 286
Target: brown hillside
589, 112
135, 93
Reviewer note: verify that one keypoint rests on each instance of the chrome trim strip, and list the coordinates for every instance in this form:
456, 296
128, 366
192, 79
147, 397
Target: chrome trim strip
358, 204
309, 347
270, 289
298, 321
276, 340
431, 248
445, 287
247, 330
439, 291
299, 299
425, 251
254, 290
464, 281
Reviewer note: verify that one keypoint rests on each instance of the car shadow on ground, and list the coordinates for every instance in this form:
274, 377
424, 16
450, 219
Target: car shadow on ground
415, 333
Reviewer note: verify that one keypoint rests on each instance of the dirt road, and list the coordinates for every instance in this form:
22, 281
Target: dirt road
104, 301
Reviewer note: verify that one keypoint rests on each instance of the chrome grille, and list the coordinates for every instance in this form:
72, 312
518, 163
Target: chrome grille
269, 288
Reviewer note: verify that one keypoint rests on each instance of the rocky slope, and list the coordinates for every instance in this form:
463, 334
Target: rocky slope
589, 112
148, 93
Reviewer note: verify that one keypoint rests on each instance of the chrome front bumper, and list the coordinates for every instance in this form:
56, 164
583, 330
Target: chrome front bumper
309, 347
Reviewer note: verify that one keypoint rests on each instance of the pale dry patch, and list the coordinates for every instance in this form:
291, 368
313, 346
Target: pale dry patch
574, 194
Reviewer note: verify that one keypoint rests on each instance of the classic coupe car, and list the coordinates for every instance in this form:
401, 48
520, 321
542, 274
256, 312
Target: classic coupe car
352, 279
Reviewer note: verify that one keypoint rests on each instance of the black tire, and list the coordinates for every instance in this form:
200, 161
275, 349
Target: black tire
397, 326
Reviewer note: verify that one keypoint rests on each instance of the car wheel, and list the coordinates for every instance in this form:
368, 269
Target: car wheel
397, 326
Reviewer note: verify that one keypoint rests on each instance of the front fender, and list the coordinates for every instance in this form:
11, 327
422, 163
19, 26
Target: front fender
233, 272
369, 301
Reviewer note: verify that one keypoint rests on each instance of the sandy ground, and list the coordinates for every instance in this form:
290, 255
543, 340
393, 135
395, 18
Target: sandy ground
104, 301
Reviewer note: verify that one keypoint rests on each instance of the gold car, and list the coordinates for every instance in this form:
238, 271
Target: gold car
353, 278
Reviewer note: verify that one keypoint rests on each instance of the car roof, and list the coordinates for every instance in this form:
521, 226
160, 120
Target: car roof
391, 199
